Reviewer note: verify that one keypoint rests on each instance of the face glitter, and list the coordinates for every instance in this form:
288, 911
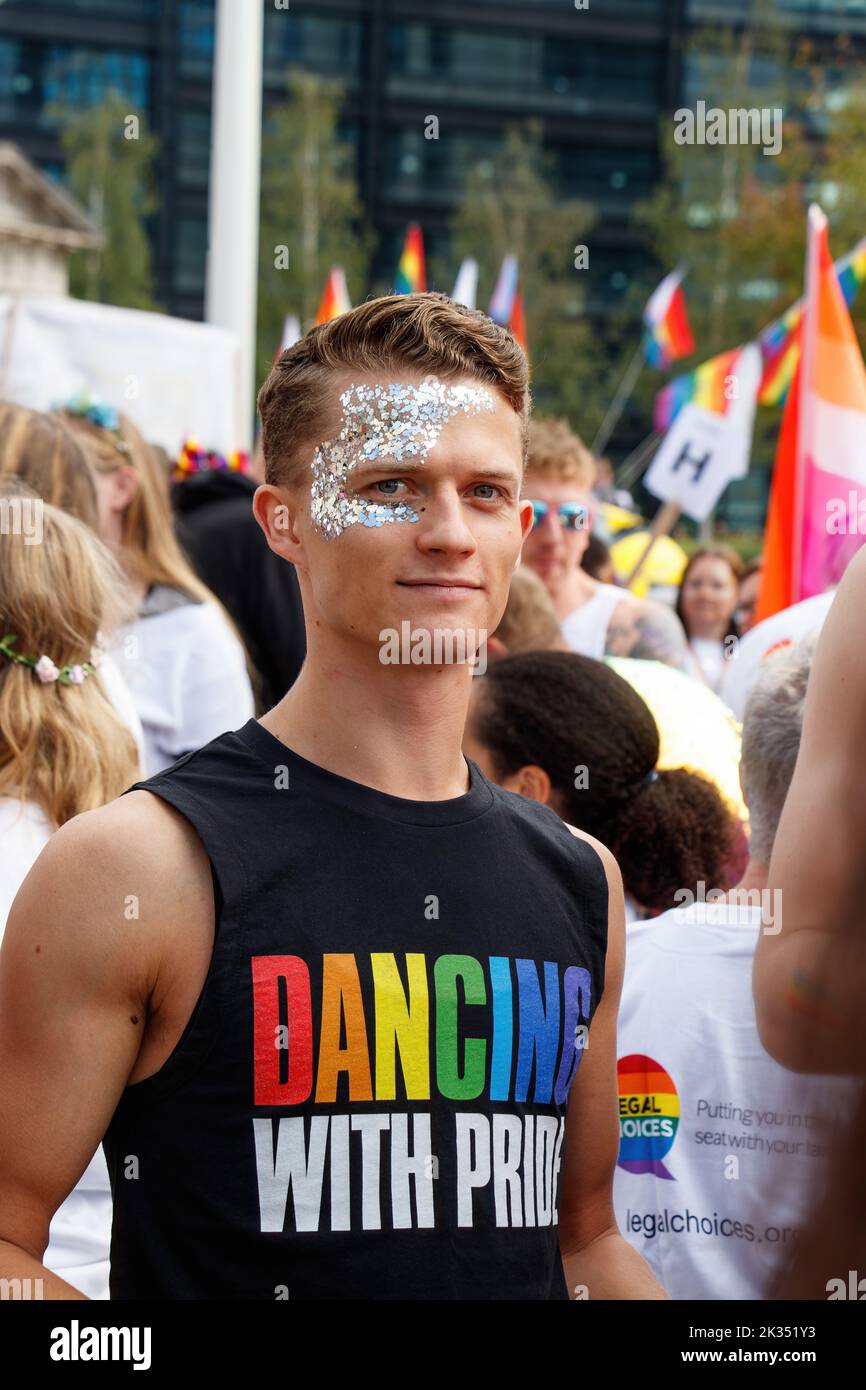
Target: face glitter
392, 422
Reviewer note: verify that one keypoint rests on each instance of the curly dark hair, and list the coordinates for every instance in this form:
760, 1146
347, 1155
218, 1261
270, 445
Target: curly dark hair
561, 712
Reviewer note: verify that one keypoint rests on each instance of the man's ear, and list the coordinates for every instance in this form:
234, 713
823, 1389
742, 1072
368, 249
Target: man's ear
276, 511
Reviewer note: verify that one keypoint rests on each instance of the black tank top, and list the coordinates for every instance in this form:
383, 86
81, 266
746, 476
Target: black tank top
369, 1098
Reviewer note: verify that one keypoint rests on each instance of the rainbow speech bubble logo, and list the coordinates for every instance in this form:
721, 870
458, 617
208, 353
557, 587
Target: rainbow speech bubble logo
649, 1113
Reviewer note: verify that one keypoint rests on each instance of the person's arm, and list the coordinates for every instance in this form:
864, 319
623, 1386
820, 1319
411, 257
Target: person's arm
595, 1256
648, 631
82, 972
809, 978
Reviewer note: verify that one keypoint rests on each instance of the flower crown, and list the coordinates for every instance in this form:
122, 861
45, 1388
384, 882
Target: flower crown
194, 459
98, 412
47, 672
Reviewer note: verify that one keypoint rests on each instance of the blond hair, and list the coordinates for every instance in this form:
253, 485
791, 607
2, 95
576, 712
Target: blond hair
63, 746
557, 452
426, 333
150, 550
42, 452
529, 622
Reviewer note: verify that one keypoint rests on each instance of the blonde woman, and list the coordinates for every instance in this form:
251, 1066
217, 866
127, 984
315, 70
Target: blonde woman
183, 661
37, 451
63, 749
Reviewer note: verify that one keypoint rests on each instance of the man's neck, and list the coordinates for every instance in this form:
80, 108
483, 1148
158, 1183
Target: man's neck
576, 590
396, 728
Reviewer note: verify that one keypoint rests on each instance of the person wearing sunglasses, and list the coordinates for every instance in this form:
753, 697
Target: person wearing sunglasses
597, 619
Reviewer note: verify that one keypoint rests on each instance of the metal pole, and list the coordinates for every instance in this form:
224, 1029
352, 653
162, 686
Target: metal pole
615, 409
233, 213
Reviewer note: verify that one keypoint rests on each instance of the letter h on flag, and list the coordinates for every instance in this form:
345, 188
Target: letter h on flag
821, 457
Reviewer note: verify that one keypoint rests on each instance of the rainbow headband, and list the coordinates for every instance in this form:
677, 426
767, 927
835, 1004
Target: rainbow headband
194, 459
72, 674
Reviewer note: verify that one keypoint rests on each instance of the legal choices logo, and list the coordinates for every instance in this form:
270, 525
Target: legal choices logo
649, 1114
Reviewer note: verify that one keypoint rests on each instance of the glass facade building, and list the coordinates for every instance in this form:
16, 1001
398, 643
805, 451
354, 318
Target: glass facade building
598, 79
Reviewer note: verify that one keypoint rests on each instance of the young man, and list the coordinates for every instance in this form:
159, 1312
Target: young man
597, 619
324, 989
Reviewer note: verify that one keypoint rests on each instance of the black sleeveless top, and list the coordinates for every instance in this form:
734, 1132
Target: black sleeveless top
369, 1098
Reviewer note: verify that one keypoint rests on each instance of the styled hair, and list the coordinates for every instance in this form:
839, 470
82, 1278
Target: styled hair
529, 622
713, 552
63, 746
560, 712
42, 452
425, 333
150, 550
557, 452
772, 724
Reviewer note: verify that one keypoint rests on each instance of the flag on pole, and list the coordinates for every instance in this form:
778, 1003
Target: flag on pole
502, 301
705, 386
411, 272
668, 335
335, 298
780, 340
517, 322
819, 481
466, 284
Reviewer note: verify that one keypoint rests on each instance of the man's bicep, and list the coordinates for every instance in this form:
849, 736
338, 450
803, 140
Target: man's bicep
72, 1015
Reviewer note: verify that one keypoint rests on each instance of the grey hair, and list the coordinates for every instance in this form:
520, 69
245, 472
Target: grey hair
772, 723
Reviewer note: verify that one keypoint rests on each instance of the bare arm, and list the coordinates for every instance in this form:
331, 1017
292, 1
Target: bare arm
79, 980
809, 978
648, 631
594, 1254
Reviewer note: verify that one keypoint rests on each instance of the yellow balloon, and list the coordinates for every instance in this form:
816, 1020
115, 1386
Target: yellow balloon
664, 566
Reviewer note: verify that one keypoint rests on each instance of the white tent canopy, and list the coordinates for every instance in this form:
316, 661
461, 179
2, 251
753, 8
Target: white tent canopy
173, 378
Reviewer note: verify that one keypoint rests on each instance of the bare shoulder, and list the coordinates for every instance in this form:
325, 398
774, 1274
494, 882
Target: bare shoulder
135, 860
611, 867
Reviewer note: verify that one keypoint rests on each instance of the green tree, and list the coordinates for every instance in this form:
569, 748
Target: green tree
109, 168
311, 216
509, 206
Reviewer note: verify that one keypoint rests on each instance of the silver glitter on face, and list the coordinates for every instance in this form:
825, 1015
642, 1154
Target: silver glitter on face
392, 423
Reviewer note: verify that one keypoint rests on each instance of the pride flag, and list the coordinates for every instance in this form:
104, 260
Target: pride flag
517, 323
504, 292
705, 386
780, 342
819, 481
668, 336
335, 298
411, 272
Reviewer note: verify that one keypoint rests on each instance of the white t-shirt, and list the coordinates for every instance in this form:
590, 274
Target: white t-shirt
585, 628
710, 656
80, 1234
720, 1146
187, 674
790, 625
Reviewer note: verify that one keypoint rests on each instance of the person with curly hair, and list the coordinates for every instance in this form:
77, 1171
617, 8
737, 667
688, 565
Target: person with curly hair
567, 731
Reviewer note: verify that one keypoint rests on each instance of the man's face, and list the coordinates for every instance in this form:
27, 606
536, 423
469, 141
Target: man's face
430, 538
553, 551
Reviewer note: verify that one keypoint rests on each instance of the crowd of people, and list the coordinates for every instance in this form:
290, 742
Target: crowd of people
172, 634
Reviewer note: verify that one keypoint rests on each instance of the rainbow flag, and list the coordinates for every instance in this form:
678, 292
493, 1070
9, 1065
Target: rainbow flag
780, 341
335, 297
517, 322
705, 386
505, 291
411, 272
668, 336
819, 480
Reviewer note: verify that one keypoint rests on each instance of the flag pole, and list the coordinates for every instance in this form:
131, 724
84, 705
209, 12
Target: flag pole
623, 391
